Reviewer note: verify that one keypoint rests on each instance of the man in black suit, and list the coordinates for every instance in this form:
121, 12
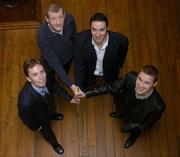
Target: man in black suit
100, 53
36, 104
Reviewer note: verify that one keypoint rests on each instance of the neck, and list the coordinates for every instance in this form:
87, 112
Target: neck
145, 96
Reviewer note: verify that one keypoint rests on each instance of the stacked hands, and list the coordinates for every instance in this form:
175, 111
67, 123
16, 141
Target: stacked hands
78, 93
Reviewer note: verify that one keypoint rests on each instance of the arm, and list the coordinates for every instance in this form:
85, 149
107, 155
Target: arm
114, 87
52, 59
152, 118
122, 51
79, 68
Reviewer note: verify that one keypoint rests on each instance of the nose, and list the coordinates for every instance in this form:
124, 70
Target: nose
97, 34
140, 85
40, 76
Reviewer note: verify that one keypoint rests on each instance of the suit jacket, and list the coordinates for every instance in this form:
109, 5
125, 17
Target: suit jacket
33, 109
56, 49
85, 57
142, 111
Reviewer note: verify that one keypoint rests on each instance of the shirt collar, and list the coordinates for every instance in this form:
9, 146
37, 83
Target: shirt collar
144, 96
60, 32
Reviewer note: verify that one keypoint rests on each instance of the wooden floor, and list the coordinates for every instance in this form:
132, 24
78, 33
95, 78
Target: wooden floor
153, 28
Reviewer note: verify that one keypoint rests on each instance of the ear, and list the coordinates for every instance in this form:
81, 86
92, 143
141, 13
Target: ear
155, 83
47, 19
28, 78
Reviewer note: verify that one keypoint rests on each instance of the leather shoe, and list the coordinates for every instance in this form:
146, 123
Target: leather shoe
129, 142
57, 116
115, 115
58, 149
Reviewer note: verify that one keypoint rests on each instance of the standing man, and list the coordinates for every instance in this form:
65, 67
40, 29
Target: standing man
100, 53
136, 99
36, 103
55, 39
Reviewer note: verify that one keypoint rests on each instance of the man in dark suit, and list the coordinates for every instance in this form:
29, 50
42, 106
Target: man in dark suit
100, 53
36, 104
55, 39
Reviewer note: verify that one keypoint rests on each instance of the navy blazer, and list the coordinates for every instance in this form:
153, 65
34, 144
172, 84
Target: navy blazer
33, 108
85, 57
56, 49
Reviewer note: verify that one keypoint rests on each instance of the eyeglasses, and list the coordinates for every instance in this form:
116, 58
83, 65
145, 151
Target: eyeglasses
60, 18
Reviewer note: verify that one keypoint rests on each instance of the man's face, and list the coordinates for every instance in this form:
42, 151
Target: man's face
144, 84
99, 31
56, 20
37, 76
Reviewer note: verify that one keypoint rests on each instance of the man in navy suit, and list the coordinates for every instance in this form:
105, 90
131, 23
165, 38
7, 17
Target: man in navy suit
36, 104
100, 53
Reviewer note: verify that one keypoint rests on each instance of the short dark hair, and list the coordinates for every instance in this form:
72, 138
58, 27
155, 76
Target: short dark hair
99, 17
30, 63
151, 70
53, 7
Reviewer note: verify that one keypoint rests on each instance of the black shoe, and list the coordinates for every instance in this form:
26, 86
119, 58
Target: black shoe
129, 142
57, 116
115, 115
132, 138
58, 149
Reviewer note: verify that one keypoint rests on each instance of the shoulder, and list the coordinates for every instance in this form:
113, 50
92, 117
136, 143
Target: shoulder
83, 37
118, 36
44, 31
157, 101
26, 94
84, 33
69, 19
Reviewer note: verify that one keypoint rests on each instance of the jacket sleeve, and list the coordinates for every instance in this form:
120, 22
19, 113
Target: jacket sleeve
60, 91
50, 56
79, 67
113, 88
122, 51
153, 117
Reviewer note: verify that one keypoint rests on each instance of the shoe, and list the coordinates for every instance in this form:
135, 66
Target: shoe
115, 115
133, 137
58, 149
129, 142
57, 116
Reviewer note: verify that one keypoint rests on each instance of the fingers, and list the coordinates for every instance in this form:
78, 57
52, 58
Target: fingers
78, 93
75, 100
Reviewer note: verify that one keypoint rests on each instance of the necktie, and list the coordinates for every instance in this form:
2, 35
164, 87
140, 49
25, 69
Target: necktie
43, 92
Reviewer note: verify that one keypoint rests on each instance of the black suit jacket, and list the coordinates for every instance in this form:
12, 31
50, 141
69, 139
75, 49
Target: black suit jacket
33, 108
85, 57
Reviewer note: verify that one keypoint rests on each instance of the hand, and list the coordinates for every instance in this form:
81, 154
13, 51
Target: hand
39, 128
75, 101
78, 93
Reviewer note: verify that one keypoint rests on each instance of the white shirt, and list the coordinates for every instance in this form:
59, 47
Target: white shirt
100, 55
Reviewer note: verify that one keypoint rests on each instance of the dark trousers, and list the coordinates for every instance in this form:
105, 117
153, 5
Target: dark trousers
48, 134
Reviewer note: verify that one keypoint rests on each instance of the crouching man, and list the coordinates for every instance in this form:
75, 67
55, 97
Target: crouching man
136, 99
36, 103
